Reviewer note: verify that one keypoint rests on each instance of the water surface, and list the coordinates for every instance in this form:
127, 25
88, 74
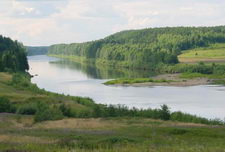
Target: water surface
86, 80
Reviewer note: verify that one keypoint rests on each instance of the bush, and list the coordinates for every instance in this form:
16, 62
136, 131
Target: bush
44, 112
27, 109
85, 113
116, 140
20, 79
183, 117
178, 131
67, 111
164, 112
6, 106
98, 111
218, 69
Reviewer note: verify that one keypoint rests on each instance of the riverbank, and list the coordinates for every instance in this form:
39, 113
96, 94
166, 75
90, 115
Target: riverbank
180, 80
19, 95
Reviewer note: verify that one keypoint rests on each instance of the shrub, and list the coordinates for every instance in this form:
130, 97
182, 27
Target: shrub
44, 112
27, 109
97, 111
6, 106
85, 113
178, 131
183, 117
218, 69
164, 112
19, 79
67, 111
115, 140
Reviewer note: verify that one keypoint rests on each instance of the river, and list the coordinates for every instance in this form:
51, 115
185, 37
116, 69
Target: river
77, 79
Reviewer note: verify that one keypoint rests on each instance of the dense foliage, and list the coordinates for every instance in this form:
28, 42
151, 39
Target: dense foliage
5, 105
12, 55
144, 48
201, 67
41, 50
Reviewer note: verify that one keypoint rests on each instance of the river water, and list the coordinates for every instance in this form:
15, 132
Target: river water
77, 79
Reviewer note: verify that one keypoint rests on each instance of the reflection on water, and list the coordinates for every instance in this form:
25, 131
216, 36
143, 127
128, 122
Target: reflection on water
102, 72
85, 80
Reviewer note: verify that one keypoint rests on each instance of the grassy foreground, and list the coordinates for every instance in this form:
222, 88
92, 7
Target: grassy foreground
20, 134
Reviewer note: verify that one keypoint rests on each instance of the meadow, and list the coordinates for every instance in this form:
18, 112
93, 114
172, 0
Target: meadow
212, 53
20, 134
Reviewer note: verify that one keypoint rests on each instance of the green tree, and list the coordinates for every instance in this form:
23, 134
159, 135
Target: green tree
165, 112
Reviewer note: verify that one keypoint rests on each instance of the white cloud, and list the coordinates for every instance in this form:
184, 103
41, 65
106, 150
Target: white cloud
48, 22
73, 10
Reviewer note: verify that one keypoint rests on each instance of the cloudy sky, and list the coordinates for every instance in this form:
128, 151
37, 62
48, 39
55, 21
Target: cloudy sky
46, 22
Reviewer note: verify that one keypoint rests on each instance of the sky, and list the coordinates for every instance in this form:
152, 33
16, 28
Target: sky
47, 22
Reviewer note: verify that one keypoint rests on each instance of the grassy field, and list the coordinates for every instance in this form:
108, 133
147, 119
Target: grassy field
199, 75
20, 134
213, 53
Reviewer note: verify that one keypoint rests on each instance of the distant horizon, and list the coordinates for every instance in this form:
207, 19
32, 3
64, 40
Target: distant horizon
45, 23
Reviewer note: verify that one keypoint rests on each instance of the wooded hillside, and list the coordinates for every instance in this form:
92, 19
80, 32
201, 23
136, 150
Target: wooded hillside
144, 48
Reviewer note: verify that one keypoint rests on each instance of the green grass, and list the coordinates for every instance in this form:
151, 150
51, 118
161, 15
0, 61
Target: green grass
219, 82
136, 80
109, 135
200, 75
212, 53
215, 79
26, 93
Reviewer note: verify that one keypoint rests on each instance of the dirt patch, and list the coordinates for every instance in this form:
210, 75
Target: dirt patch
78, 124
16, 139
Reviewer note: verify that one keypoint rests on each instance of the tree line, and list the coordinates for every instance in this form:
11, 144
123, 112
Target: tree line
43, 111
144, 48
12, 55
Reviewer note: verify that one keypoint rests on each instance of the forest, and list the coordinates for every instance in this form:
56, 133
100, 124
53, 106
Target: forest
144, 48
12, 56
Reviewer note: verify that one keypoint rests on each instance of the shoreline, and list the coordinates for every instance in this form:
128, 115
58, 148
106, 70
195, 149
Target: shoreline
174, 80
